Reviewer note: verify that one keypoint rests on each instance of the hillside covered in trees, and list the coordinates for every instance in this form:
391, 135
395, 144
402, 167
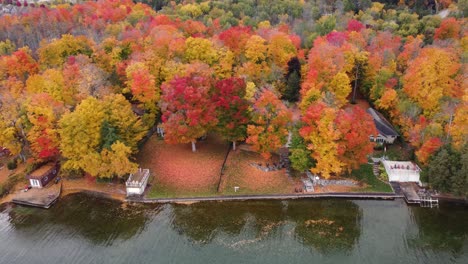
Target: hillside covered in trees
86, 82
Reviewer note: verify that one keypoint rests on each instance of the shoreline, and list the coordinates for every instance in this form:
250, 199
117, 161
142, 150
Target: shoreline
226, 198
107, 195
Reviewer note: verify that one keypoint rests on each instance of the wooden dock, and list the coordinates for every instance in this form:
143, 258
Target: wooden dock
411, 192
39, 197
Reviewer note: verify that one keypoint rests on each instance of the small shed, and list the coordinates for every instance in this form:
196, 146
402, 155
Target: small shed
402, 171
40, 177
136, 183
386, 132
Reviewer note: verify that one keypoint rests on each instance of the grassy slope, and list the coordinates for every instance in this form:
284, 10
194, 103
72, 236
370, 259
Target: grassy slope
365, 175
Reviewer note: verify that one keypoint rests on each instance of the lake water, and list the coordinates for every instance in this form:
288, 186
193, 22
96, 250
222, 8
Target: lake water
87, 229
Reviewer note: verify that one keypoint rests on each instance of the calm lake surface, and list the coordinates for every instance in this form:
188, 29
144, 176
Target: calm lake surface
87, 229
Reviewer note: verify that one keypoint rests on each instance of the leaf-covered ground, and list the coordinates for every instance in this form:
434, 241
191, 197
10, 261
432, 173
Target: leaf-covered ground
178, 172
250, 180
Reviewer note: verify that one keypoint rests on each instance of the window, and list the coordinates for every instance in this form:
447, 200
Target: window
35, 183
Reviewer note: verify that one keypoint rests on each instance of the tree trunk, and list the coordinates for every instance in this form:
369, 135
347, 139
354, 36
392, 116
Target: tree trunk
233, 145
194, 147
355, 85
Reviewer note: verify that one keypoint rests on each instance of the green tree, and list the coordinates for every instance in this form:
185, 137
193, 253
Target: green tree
442, 168
299, 156
325, 25
460, 178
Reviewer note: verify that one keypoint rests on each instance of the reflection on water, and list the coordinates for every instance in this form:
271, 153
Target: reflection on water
87, 229
441, 229
328, 225
324, 225
101, 221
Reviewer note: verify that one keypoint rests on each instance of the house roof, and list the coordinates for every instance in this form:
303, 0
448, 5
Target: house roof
381, 123
41, 171
401, 166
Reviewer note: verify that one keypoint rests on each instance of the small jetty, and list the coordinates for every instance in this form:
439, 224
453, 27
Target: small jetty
414, 195
39, 197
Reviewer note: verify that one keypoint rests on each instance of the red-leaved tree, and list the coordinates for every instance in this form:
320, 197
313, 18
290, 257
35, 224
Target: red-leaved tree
355, 127
187, 109
232, 109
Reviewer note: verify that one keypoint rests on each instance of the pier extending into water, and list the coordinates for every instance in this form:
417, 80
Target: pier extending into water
413, 194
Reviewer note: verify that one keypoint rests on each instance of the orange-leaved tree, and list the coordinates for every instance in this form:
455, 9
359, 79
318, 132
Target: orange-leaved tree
270, 119
430, 76
43, 113
338, 139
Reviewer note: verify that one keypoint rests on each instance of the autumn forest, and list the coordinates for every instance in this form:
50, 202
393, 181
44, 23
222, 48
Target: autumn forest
85, 83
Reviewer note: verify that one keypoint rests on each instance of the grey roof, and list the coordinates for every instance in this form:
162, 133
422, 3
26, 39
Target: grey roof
381, 123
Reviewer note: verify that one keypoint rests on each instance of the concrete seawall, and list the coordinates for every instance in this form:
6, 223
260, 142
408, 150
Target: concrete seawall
375, 196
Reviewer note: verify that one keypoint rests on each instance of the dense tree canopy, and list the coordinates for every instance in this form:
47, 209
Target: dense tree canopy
99, 136
73, 77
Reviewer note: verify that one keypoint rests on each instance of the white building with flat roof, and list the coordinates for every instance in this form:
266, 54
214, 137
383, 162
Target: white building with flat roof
136, 183
402, 171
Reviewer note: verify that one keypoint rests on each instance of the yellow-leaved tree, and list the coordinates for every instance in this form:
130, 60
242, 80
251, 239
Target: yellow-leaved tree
99, 137
321, 136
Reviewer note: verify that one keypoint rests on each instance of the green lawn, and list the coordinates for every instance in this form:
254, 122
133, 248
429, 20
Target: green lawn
165, 191
365, 175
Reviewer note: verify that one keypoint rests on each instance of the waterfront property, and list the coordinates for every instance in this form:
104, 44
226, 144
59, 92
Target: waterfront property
401, 171
38, 197
137, 182
40, 177
386, 132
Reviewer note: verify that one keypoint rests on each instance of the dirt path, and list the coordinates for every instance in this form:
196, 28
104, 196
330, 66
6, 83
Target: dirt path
108, 190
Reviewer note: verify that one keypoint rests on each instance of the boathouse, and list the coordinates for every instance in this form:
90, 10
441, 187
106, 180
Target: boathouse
402, 171
43, 175
137, 182
386, 132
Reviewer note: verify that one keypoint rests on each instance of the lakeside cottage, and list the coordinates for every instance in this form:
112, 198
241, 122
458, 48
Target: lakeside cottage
40, 177
386, 132
137, 182
402, 171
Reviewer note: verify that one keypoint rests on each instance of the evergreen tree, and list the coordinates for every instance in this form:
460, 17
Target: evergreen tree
442, 168
293, 86
293, 80
460, 178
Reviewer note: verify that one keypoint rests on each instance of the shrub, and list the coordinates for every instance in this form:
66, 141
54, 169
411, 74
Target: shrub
30, 167
11, 165
383, 173
71, 174
10, 183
